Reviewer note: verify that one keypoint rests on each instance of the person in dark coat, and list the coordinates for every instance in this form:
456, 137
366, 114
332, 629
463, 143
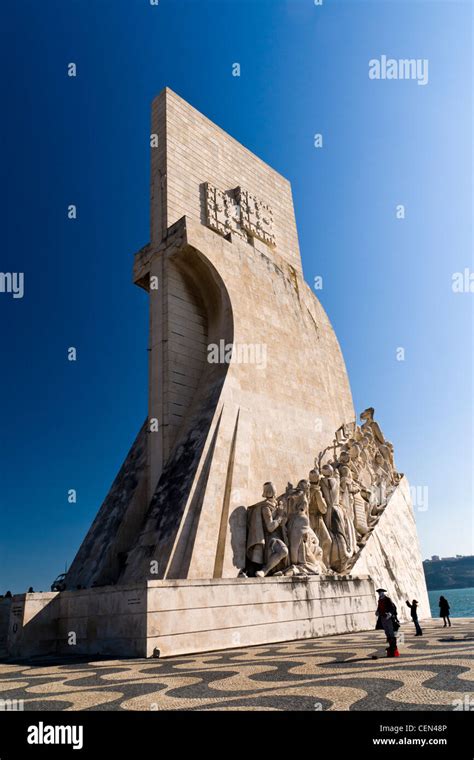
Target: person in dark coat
414, 616
387, 619
444, 610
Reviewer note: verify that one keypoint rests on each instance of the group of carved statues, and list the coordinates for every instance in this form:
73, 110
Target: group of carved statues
320, 525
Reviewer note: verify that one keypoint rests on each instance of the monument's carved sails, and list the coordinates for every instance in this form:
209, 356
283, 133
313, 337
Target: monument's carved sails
223, 271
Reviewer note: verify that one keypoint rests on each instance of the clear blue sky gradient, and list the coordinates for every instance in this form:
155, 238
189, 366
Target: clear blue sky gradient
387, 282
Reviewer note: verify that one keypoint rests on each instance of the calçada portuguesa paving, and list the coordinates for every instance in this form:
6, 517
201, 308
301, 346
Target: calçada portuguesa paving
433, 672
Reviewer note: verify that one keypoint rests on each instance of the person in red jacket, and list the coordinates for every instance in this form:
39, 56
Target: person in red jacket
387, 619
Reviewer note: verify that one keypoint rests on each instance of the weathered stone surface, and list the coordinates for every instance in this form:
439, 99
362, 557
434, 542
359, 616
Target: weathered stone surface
223, 427
227, 613
392, 555
246, 384
183, 616
106, 620
321, 524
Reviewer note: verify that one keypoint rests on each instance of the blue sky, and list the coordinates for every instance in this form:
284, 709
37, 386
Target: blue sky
386, 281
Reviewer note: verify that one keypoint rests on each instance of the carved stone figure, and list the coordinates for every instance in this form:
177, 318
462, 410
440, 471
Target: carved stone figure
304, 544
370, 424
317, 510
266, 540
347, 504
385, 447
358, 463
298, 526
334, 519
330, 491
382, 482
360, 511
319, 525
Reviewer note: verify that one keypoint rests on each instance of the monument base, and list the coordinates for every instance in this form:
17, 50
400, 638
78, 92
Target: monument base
176, 617
163, 618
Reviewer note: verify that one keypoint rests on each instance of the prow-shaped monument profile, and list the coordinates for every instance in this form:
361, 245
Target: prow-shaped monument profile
223, 273
247, 384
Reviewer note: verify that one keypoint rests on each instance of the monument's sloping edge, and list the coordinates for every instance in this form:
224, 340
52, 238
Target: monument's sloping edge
392, 555
116, 523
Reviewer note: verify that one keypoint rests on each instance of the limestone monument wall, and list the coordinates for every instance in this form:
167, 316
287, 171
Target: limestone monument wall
248, 390
197, 616
392, 556
223, 429
169, 618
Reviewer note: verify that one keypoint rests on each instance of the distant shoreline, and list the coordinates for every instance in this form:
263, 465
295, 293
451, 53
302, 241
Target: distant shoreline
449, 573
448, 588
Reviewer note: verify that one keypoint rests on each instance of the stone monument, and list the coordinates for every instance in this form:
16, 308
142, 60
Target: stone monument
247, 386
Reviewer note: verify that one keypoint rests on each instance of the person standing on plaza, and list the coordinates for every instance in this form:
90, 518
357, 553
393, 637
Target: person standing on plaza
387, 619
444, 610
414, 616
